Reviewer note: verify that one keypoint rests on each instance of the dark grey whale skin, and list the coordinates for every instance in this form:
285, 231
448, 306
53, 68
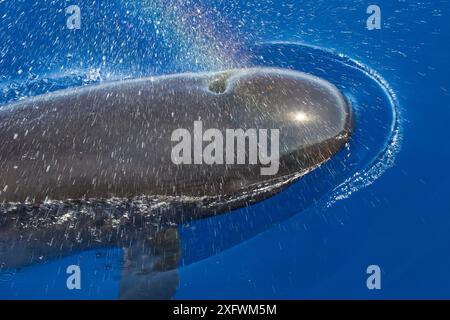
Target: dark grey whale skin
114, 139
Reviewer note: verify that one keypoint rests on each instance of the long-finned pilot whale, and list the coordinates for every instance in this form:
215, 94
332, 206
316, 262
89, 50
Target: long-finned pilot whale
91, 167
114, 139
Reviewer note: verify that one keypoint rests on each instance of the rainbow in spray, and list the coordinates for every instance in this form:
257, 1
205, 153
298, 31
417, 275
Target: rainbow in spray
201, 34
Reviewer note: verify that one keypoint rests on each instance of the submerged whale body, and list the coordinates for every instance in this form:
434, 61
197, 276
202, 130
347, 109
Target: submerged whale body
91, 167
115, 139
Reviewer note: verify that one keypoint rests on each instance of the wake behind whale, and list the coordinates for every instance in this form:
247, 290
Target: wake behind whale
94, 167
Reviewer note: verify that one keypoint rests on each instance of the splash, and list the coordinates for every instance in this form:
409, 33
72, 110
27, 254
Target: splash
386, 158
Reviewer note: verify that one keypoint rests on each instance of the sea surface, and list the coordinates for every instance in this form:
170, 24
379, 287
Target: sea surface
383, 200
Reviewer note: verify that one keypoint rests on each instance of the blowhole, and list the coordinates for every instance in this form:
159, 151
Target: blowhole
219, 84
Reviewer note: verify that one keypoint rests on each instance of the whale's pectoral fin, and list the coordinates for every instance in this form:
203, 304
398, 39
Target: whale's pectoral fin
150, 267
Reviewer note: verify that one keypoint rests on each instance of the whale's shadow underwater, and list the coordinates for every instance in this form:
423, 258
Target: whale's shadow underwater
159, 231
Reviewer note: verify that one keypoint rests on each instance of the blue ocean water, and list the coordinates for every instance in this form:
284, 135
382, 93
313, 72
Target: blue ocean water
384, 200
